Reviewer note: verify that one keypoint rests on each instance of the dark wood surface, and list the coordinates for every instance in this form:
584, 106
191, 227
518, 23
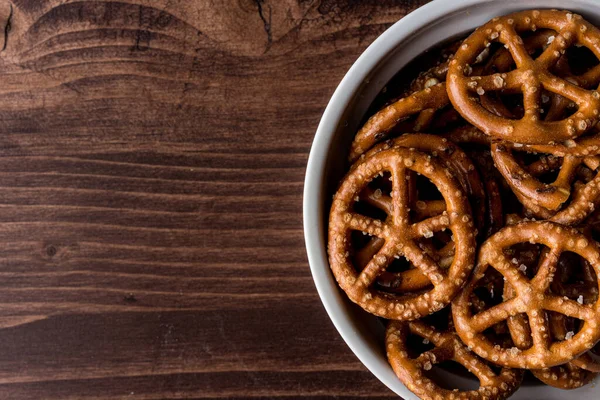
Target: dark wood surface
152, 157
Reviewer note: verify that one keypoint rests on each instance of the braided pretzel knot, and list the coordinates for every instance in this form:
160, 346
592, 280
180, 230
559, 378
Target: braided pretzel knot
400, 236
531, 297
447, 346
530, 77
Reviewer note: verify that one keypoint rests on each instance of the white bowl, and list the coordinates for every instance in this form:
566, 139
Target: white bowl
418, 31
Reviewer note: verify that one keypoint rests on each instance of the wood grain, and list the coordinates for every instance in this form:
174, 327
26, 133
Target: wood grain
152, 155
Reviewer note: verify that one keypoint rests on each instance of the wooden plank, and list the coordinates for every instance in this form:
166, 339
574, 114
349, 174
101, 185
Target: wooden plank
152, 157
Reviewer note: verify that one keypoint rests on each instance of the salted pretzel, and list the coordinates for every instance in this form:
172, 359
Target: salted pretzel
530, 77
457, 162
570, 375
575, 373
532, 297
400, 236
526, 186
469, 135
565, 376
561, 327
567, 200
379, 125
447, 346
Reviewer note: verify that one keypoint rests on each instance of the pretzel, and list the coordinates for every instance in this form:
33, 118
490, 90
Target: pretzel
455, 160
400, 236
556, 201
379, 125
529, 77
532, 297
583, 199
567, 376
558, 325
526, 186
447, 346
468, 135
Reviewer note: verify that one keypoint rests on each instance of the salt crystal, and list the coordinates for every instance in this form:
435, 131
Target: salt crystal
523, 268
569, 335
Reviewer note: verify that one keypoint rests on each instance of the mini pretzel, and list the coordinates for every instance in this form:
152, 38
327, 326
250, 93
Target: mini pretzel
379, 125
455, 160
524, 185
530, 77
582, 202
558, 326
412, 371
556, 202
567, 376
532, 297
494, 217
463, 169
400, 236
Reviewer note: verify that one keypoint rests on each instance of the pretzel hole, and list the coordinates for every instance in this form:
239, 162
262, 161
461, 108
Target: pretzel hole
581, 59
364, 248
514, 103
525, 257
427, 190
503, 104
563, 328
416, 345
545, 168
450, 375
382, 182
556, 107
575, 279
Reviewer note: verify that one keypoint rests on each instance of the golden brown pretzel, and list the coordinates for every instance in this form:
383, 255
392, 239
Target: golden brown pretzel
400, 235
559, 328
583, 199
469, 135
532, 297
457, 162
567, 376
530, 77
447, 346
379, 125
526, 186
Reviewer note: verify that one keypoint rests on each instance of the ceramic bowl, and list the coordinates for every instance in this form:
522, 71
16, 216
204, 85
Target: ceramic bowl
423, 29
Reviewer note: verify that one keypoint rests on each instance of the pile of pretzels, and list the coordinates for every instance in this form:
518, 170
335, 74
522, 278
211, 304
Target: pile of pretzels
469, 218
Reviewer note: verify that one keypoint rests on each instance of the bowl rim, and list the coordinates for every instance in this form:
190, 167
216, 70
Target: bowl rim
315, 176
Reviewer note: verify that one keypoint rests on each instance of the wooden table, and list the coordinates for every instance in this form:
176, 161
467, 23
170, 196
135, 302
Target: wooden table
152, 157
